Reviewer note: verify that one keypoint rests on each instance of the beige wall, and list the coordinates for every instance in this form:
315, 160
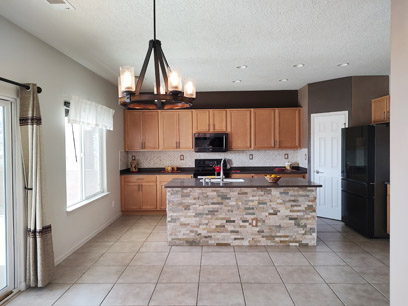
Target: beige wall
399, 151
24, 58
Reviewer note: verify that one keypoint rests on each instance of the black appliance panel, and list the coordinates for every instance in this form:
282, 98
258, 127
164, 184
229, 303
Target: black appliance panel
210, 142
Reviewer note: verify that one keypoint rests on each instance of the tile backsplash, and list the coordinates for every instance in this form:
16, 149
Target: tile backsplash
158, 159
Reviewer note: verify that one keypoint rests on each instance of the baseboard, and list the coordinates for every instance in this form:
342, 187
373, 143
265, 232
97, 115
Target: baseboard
144, 212
87, 238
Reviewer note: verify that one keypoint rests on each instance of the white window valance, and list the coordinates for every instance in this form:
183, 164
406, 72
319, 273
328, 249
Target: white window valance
89, 113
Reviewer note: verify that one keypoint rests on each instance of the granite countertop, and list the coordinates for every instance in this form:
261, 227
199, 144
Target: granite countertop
259, 182
232, 170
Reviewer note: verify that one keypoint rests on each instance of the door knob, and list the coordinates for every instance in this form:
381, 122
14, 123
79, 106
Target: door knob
317, 171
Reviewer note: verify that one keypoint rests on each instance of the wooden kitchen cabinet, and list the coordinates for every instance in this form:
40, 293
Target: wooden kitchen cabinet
210, 120
138, 192
176, 130
263, 129
141, 130
161, 191
380, 110
288, 131
239, 129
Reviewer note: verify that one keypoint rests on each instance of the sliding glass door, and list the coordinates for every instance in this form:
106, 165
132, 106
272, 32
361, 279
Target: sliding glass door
6, 202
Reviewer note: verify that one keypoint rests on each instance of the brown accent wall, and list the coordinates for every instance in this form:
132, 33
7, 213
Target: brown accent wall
246, 99
366, 88
303, 101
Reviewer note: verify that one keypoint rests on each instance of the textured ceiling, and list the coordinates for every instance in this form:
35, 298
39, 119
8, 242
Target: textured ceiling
207, 39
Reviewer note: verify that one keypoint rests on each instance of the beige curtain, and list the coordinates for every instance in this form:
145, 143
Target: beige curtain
40, 253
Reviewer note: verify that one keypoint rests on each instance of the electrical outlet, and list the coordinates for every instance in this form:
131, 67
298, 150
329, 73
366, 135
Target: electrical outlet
286, 156
113, 203
254, 222
181, 157
305, 156
251, 156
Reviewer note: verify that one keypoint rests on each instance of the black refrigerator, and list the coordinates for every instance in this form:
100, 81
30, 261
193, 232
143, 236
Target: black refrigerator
365, 169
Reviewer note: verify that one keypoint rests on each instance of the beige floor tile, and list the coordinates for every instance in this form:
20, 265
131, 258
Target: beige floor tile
313, 295
96, 247
259, 274
160, 236
375, 274
324, 259
319, 247
344, 246
180, 274
68, 274
281, 248
339, 275
341, 228
245, 248
331, 237
86, 259
266, 295
359, 295
39, 296
219, 274
384, 289
155, 259
324, 228
134, 236
331, 221
375, 246
383, 257
175, 294
140, 274
299, 275
218, 258
101, 275
253, 259
84, 295
360, 259
216, 248
354, 236
129, 294
184, 259
160, 228
188, 249
289, 259
114, 259
154, 247
223, 294
125, 247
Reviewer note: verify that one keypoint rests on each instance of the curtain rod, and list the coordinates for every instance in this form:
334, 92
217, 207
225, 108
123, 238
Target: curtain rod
39, 89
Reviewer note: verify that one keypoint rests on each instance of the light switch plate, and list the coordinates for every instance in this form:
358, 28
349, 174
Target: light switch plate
251, 156
181, 157
286, 156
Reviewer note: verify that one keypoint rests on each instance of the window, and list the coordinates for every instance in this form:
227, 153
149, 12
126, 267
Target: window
85, 162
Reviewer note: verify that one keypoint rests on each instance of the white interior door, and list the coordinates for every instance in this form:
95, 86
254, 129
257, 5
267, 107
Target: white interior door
6, 202
326, 161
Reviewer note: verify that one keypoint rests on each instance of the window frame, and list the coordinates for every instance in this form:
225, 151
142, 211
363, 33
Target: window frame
81, 157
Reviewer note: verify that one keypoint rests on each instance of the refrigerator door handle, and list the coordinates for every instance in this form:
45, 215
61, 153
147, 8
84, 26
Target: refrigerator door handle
317, 171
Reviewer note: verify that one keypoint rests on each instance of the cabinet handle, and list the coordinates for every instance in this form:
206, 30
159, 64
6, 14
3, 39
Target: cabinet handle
141, 187
384, 115
388, 115
138, 187
213, 126
208, 127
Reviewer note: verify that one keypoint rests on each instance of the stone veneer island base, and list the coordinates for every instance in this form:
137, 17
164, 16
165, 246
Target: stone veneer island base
254, 212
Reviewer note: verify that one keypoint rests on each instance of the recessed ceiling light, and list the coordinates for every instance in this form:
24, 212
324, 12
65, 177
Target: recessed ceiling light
242, 67
343, 65
283, 80
299, 65
236, 81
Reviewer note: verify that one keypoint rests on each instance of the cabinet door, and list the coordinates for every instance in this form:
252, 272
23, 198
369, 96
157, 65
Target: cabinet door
288, 127
379, 110
133, 130
201, 121
388, 108
130, 195
149, 196
168, 130
263, 129
219, 120
162, 192
239, 129
150, 129
185, 130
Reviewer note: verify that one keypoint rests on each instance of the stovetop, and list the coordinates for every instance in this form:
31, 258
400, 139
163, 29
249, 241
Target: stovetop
205, 167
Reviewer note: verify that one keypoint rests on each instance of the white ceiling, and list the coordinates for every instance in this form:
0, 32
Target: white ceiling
207, 39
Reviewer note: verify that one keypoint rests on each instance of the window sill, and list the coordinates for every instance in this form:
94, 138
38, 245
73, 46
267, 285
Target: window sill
83, 203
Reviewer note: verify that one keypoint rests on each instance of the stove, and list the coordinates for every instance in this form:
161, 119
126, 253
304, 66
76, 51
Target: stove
204, 167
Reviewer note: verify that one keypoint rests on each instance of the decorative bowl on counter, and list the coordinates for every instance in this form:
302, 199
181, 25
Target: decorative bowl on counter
272, 178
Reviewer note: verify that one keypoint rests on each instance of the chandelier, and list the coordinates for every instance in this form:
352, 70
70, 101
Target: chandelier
168, 90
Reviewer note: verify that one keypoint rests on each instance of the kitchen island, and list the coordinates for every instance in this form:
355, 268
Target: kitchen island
247, 212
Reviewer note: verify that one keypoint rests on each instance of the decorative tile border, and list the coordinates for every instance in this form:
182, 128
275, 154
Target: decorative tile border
224, 216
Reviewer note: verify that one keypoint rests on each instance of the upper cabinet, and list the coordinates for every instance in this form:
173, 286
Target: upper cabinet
380, 110
263, 129
288, 130
176, 130
239, 129
207, 121
141, 130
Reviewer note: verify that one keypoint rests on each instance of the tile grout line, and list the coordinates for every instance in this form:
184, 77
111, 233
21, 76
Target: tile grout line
239, 275
199, 276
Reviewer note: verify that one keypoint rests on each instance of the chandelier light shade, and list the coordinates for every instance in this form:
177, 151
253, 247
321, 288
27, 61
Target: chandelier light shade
168, 85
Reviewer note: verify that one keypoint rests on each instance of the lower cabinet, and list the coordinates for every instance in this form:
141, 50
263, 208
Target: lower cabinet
141, 193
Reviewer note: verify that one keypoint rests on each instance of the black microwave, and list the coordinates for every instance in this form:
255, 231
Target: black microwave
210, 142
